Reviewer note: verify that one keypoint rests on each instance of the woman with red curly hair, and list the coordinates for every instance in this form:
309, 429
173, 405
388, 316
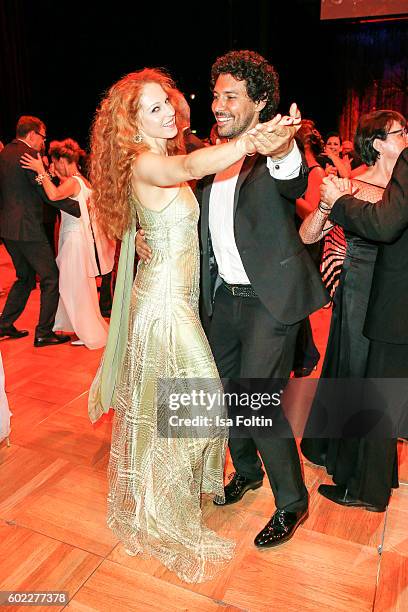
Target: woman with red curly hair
156, 477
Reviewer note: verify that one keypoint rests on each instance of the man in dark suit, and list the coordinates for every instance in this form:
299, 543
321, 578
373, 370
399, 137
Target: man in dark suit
22, 231
258, 280
386, 323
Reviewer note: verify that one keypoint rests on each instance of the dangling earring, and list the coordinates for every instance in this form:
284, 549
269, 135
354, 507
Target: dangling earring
137, 138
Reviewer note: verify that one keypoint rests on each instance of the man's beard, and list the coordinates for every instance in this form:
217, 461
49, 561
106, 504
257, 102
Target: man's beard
235, 129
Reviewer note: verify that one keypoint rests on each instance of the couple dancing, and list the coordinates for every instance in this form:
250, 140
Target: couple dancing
69, 299
155, 483
83, 251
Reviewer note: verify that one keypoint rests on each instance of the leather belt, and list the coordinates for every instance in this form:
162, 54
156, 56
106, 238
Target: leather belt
240, 290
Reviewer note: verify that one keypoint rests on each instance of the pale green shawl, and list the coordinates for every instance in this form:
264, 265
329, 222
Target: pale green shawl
103, 388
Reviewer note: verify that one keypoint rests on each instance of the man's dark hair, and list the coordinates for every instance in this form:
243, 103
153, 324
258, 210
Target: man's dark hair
262, 80
371, 126
28, 124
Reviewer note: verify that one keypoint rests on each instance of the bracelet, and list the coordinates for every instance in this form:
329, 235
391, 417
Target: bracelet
324, 206
325, 210
249, 154
40, 177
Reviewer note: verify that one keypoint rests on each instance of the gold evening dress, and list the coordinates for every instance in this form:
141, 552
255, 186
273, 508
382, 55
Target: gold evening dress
156, 481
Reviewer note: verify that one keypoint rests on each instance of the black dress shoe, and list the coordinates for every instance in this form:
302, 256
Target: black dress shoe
236, 489
12, 332
51, 339
339, 495
280, 528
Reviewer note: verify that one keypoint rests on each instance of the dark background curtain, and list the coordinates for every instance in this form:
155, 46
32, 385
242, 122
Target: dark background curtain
14, 81
374, 71
56, 60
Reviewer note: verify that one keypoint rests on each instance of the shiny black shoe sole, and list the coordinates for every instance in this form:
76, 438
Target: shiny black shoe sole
39, 343
13, 336
251, 486
285, 539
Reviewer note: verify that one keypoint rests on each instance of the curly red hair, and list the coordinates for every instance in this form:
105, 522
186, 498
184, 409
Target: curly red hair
113, 149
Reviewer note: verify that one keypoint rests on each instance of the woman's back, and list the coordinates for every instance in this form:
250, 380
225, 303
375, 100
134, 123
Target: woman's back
70, 223
78, 308
357, 247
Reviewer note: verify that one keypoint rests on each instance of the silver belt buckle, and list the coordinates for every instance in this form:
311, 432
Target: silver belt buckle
233, 290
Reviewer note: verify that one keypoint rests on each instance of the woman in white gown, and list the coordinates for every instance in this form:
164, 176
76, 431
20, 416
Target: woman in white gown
78, 307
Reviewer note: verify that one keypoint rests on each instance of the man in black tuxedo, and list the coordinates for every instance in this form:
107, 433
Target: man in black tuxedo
258, 280
386, 323
22, 231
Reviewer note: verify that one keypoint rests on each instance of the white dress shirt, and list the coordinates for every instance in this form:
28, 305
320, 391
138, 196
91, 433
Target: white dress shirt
221, 213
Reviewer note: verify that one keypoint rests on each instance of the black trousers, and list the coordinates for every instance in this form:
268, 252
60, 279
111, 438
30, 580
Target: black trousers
49, 228
306, 353
105, 293
248, 343
29, 259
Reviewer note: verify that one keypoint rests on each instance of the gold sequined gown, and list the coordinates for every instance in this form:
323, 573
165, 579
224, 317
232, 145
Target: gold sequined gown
155, 482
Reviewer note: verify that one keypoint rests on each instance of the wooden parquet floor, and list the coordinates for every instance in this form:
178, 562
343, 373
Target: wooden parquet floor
53, 534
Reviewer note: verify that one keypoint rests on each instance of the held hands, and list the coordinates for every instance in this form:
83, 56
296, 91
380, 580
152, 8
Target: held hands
330, 170
32, 163
244, 144
332, 188
275, 137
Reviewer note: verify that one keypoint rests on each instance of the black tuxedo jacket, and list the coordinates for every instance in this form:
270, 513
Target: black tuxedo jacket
276, 262
21, 198
386, 222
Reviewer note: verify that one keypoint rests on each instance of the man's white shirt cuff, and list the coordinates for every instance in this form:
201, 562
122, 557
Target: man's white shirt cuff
286, 168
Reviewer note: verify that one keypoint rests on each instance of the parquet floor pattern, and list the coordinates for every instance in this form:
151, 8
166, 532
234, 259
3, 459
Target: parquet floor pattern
53, 534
